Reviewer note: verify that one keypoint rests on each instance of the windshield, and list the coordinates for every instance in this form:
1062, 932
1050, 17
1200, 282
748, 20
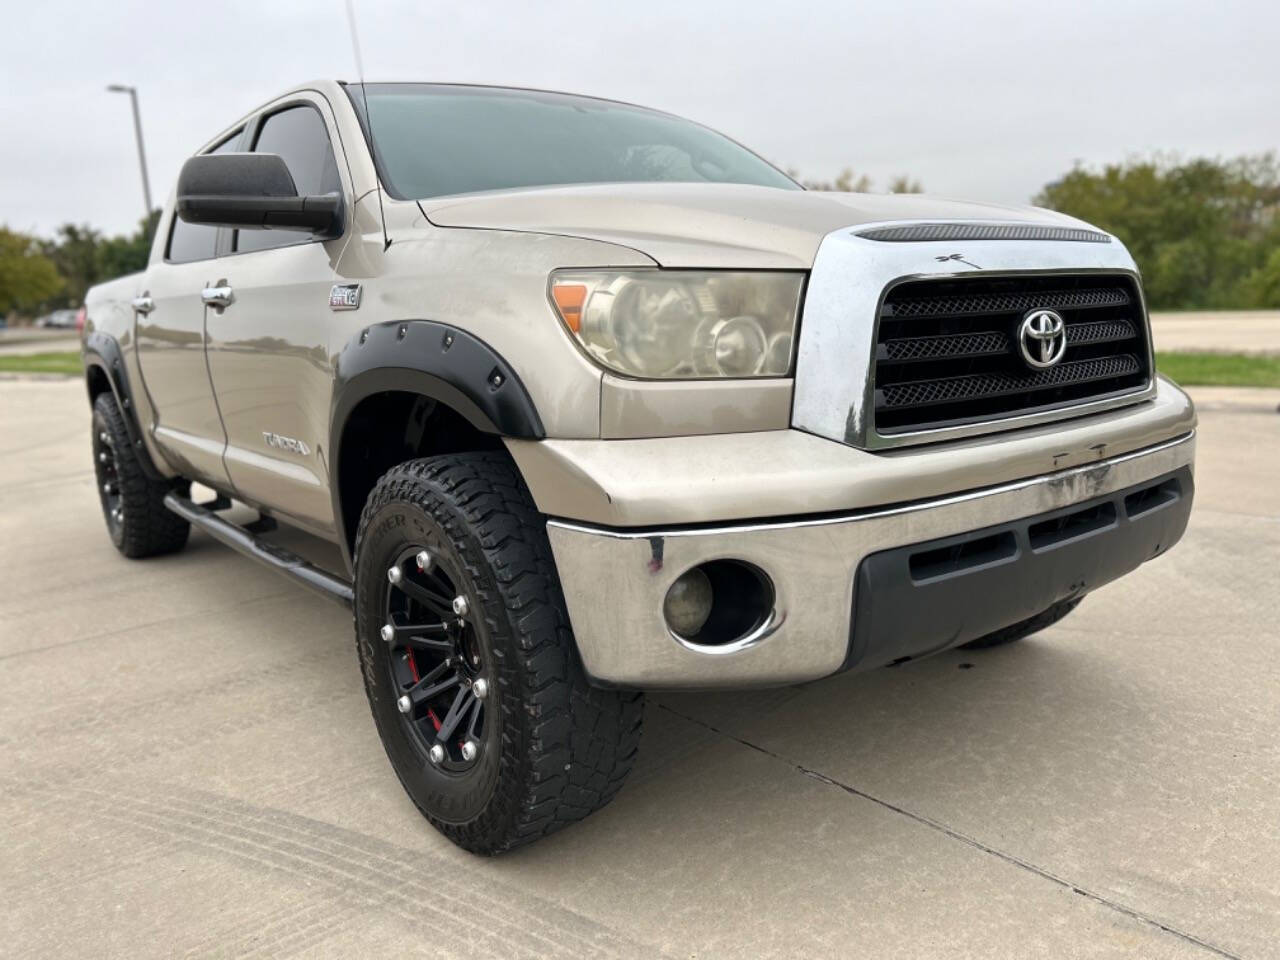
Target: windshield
433, 140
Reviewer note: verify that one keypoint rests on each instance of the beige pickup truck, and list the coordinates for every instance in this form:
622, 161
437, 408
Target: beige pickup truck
593, 400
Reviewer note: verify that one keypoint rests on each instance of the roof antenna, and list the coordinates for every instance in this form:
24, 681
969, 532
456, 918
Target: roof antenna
368, 117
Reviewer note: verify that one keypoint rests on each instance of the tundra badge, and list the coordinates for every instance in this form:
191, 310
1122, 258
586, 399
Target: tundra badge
344, 296
285, 443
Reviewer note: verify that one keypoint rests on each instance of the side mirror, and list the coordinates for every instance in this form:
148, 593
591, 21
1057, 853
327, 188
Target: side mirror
253, 191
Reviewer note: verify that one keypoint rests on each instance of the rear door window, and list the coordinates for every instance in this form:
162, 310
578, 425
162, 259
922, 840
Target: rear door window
189, 242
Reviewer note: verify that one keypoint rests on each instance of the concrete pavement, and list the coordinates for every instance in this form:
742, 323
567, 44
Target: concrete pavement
188, 767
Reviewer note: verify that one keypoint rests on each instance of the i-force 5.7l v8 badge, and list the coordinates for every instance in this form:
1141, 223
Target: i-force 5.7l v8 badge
344, 296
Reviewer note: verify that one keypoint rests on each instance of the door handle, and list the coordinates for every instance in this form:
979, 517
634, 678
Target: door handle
144, 304
220, 295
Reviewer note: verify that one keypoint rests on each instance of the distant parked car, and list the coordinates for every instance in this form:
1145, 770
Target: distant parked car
61, 319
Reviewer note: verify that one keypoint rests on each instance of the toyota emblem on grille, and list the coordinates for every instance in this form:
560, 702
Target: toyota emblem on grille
1042, 338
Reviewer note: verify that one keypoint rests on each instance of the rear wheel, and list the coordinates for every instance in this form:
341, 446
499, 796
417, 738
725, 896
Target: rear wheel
469, 663
1025, 628
132, 503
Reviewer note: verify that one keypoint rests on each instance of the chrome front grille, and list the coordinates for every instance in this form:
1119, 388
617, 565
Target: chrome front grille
946, 350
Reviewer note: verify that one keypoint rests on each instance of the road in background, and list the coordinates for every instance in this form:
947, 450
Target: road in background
188, 767
1223, 331
25, 340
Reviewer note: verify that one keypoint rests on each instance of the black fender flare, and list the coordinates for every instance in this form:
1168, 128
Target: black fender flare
434, 360
103, 351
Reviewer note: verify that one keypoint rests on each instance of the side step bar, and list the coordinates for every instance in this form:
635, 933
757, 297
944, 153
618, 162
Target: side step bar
277, 558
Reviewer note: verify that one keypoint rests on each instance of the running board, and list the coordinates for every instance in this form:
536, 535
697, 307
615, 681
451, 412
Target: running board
279, 559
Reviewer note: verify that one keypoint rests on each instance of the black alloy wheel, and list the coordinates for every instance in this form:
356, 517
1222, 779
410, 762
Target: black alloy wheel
436, 661
107, 473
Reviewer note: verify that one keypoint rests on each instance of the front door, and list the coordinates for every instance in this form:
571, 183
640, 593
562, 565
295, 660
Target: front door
269, 348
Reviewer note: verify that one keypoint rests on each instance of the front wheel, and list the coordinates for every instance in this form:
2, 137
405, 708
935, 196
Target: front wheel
469, 663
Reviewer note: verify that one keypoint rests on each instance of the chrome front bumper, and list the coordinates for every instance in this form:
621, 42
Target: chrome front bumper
615, 581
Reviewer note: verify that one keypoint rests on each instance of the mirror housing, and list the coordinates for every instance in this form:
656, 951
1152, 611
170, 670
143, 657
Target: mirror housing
253, 191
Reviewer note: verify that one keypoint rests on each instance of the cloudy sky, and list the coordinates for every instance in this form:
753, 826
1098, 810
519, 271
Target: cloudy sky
978, 99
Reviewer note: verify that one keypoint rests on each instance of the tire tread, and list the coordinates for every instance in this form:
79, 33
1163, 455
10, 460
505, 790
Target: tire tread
579, 741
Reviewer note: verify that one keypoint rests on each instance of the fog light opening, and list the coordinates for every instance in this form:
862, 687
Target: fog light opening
719, 604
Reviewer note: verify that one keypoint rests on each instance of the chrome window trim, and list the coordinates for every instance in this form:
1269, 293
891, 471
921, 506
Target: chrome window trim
834, 388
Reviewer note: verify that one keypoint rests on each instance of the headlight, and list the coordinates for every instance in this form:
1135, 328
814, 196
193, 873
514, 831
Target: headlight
682, 324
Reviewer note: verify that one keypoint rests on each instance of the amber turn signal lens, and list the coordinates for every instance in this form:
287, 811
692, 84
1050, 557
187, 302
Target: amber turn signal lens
569, 298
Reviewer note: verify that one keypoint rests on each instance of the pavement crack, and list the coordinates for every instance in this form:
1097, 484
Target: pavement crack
974, 842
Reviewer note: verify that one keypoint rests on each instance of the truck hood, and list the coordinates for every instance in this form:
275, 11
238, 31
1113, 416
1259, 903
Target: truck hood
708, 225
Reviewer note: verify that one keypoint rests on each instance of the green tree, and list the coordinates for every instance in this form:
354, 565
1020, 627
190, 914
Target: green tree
76, 252
128, 254
905, 184
27, 276
83, 257
1262, 286
1200, 230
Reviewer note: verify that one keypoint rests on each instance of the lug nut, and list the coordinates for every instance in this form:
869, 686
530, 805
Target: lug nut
394, 575
460, 605
424, 560
436, 753
388, 633
469, 750
480, 688
404, 704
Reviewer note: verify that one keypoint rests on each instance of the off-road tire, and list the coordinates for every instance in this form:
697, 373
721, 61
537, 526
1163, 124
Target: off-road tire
142, 527
559, 748
1025, 628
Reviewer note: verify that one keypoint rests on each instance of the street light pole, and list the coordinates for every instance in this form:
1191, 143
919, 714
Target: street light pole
137, 131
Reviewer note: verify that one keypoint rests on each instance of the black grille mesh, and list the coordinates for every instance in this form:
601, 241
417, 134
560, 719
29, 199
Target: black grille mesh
993, 384
947, 350
992, 342
959, 345
1099, 331
966, 304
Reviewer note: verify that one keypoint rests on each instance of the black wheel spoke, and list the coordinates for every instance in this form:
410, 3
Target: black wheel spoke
473, 723
437, 647
415, 630
435, 602
432, 686
455, 714
430, 638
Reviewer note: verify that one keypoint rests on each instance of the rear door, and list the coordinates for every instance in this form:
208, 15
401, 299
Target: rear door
269, 349
171, 346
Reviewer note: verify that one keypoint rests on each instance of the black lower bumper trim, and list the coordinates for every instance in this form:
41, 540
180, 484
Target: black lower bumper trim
919, 599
